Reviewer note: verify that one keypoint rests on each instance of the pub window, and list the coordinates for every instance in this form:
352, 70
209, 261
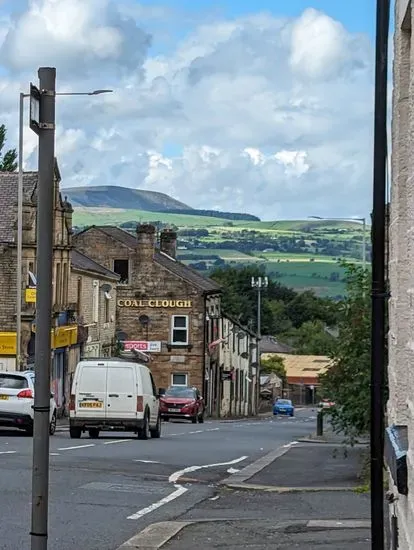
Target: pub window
107, 297
58, 285
121, 268
179, 379
179, 329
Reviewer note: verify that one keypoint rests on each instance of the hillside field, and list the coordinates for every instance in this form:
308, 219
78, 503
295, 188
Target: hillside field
302, 254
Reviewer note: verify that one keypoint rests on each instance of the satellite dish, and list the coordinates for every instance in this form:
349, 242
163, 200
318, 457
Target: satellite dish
121, 336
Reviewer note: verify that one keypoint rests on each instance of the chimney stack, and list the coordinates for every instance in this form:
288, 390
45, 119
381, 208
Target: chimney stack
145, 242
168, 242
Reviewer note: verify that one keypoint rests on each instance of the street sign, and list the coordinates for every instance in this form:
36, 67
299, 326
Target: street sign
34, 120
141, 345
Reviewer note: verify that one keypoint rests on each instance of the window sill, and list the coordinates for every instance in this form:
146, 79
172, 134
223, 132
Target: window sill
171, 346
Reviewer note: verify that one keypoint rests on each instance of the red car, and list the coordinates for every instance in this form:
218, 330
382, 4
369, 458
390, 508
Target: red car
182, 402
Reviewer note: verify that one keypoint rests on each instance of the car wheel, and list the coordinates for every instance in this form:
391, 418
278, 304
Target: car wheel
75, 433
201, 418
194, 419
52, 425
144, 432
156, 432
94, 433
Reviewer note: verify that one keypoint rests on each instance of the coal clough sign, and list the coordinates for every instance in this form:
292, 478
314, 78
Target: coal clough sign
183, 304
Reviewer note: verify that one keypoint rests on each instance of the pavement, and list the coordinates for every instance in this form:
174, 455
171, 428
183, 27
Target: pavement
106, 491
299, 495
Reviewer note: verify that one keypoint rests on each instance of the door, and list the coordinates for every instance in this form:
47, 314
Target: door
90, 392
121, 392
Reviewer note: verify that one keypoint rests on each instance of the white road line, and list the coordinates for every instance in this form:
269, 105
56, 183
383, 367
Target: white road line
8, 452
117, 441
179, 489
177, 493
54, 454
148, 461
76, 447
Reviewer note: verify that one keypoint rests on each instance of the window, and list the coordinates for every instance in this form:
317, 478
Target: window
179, 329
107, 297
121, 268
65, 284
58, 285
79, 296
31, 279
179, 379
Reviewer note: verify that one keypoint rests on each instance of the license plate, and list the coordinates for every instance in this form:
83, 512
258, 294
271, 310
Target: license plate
4, 397
91, 405
173, 410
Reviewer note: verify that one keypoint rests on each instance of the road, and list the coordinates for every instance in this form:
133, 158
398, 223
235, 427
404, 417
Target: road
105, 491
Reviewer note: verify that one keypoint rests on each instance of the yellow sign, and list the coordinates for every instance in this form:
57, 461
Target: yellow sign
63, 337
7, 343
30, 295
155, 303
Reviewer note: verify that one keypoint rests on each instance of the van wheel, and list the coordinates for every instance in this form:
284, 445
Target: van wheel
144, 432
156, 432
75, 433
94, 433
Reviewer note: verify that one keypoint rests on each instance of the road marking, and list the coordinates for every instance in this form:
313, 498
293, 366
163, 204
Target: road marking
54, 454
232, 471
117, 441
176, 475
8, 452
179, 489
76, 447
197, 432
148, 461
288, 445
177, 493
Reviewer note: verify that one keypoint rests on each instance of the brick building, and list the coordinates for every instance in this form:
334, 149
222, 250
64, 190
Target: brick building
162, 305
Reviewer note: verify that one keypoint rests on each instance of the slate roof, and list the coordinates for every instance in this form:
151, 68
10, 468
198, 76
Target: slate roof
269, 344
8, 200
177, 268
84, 263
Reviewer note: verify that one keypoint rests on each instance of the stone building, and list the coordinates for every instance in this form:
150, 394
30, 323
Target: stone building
161, 303
399, 437
238, 369
92, 290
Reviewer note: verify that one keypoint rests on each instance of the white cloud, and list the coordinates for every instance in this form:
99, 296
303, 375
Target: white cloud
262, 114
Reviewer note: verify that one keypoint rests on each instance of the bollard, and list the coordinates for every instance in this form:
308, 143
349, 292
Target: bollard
319, 423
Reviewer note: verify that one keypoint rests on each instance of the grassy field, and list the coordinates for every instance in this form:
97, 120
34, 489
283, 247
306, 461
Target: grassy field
299, 270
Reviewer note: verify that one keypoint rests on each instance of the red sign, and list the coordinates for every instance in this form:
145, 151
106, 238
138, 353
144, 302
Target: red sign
142, 346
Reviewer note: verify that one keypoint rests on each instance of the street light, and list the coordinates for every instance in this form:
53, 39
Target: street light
22, 97
259, 284
364, 233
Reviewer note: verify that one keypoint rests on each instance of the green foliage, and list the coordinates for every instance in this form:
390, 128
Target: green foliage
274, 365
347, 382
297, 319
8, 159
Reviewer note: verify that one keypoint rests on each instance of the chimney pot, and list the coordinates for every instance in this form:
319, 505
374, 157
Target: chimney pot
168, 242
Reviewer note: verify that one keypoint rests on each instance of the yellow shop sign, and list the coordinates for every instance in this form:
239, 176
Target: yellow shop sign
30, 295
155, 303
63, 337
7, 343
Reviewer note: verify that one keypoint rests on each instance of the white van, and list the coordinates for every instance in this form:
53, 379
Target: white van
113, 394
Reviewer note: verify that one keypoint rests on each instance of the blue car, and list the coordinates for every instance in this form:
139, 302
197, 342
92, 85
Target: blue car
283, 406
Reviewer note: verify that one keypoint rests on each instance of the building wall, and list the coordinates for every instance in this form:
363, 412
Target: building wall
101, 248
401, 231
95, 311
239, 393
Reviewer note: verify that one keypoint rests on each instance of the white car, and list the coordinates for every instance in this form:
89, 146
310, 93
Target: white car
17, 400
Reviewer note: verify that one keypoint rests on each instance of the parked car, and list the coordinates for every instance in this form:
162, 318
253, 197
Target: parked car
326, 404
113, 394
17, 400
283, 406
182, 402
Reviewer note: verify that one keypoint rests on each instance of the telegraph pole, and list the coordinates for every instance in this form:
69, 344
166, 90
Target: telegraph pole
379, 295
45, 128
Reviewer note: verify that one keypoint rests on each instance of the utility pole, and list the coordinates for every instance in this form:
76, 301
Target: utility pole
259, 283
364, 244
19, 239
379, 295
45, 210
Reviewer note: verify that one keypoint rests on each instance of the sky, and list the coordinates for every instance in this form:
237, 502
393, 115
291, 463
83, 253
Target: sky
261, 107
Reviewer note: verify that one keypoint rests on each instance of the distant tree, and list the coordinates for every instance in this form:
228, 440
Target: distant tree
8, 159
274, 365
311, 338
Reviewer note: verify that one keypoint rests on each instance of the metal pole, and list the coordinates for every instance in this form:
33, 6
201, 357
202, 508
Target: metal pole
19, 238
378, 277
45, 210
259, 312
364, 244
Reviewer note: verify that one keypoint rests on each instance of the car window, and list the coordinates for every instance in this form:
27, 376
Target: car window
180, 392
283, 402
13, 382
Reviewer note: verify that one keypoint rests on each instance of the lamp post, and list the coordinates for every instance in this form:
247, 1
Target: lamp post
259, 284
20, 191
364, 233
